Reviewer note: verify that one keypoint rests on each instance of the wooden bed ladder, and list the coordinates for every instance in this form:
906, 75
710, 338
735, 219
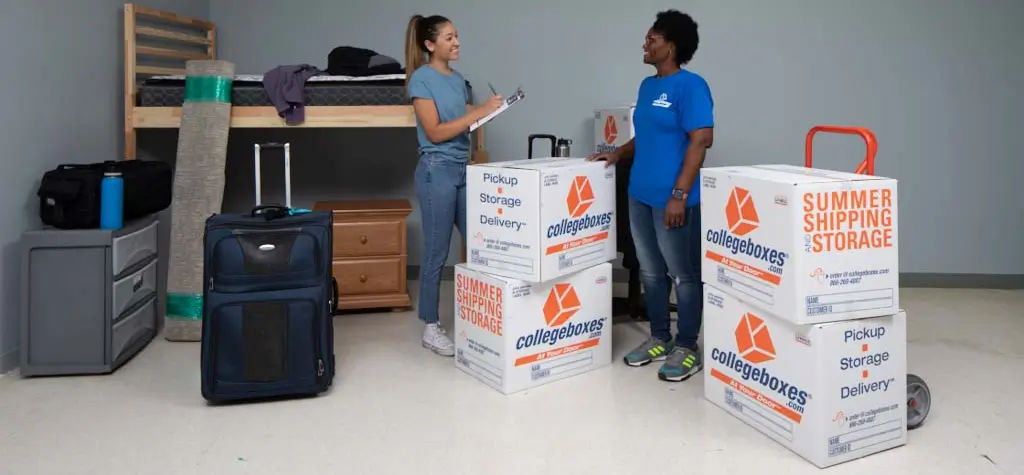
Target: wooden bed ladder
179, 39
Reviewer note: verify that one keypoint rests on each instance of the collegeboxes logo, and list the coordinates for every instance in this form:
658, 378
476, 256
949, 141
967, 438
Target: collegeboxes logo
741, 218
611, 133
580, 198
740, 213
611, 130
753, 340
562, 304
754, 348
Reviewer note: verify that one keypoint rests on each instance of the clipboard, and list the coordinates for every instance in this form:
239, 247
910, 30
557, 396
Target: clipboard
509, 101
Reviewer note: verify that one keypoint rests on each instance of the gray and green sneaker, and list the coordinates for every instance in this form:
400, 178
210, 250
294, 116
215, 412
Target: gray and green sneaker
680, 364
651, 350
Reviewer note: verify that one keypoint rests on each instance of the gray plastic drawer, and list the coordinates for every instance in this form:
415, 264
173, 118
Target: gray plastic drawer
133, 288
132, 328
134, 247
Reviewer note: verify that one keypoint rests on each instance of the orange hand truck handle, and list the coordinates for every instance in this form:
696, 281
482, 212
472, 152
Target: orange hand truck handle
867, 166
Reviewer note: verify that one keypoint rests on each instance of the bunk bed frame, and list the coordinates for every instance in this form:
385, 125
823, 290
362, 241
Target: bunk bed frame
193, 39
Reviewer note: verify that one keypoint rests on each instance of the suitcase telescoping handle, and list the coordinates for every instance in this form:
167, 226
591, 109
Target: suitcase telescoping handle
866, 167
287, 172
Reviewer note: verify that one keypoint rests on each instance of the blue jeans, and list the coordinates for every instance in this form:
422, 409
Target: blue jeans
667, 257
441, 192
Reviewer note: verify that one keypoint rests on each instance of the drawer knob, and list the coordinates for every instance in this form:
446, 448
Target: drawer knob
362, 239
362, 278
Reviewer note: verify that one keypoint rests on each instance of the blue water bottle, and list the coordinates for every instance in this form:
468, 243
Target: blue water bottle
112, 199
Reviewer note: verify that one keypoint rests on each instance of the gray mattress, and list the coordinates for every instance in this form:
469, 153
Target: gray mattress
247, 90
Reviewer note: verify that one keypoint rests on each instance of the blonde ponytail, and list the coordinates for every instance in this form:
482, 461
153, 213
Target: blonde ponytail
414, 54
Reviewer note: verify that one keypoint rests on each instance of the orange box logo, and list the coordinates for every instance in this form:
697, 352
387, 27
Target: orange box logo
611, 130
740, 213
581, 196
561, 305
753, 340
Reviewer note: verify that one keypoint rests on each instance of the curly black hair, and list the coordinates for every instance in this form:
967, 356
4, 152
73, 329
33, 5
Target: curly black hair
679, 29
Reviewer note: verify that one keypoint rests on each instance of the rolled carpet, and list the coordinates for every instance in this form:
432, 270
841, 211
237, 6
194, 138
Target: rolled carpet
198, 190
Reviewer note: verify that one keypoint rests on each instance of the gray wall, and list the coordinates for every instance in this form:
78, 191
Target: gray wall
937, 80
62, 74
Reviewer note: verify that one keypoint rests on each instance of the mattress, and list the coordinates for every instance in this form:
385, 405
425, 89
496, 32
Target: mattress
247, 90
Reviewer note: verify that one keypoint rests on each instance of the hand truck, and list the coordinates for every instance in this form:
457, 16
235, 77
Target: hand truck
919, 396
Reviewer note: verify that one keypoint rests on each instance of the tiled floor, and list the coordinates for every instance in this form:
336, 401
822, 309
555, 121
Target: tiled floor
397, 409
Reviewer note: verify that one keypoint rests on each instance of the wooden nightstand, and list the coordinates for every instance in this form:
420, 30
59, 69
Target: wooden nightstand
369, 257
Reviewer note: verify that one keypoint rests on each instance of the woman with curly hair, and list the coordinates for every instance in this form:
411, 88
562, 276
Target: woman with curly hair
674, 126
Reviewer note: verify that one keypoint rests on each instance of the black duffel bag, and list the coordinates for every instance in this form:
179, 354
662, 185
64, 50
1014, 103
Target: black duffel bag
69, 195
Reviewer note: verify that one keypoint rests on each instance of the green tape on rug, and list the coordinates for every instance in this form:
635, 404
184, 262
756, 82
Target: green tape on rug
208, 89
185, 306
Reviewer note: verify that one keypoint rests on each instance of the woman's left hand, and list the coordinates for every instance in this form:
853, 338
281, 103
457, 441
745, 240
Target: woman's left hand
675, 213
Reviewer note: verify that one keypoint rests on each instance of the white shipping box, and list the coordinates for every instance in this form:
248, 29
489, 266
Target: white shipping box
806, 244
830, 392
538, 220
613, 127
514, 335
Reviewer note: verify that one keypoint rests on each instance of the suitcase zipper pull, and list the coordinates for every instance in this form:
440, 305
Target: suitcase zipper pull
319, 367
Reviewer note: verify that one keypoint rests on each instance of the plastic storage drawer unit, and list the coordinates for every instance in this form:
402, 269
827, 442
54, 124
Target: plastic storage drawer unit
89, 298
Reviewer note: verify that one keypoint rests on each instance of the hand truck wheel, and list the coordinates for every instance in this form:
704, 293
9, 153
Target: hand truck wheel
919, 401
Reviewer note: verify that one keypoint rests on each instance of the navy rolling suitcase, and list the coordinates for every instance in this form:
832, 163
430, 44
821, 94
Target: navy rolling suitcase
268, 301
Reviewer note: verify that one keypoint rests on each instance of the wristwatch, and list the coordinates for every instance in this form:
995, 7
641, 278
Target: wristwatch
679, 194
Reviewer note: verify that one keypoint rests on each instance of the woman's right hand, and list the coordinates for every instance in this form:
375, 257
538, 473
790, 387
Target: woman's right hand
609, 158
492, 104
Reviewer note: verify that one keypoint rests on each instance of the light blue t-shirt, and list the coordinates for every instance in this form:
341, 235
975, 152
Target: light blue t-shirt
667, 110
450, 96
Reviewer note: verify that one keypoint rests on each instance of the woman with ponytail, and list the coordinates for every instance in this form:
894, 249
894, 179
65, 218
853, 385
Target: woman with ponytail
444, 113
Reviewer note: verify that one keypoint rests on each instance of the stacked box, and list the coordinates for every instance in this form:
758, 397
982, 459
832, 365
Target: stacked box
613, 127
533, 302
804, 338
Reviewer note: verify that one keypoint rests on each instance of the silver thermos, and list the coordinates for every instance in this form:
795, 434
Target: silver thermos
559, 147
562, 149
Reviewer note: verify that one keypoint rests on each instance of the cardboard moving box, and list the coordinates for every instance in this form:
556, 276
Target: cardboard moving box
805, 244
514, 335
538, 220
613, 127
830, 392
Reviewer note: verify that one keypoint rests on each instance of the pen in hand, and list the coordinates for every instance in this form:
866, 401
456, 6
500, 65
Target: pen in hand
492, 89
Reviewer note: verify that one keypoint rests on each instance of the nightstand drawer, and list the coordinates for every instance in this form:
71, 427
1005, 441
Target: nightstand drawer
369, 276
368, 238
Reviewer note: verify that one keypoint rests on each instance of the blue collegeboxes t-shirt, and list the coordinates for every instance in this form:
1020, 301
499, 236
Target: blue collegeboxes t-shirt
667, 110
450, 96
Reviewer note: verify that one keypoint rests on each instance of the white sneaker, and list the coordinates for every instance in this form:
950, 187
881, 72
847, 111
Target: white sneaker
436, 339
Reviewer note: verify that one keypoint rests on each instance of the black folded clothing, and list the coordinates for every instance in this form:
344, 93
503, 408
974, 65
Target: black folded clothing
353, 61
